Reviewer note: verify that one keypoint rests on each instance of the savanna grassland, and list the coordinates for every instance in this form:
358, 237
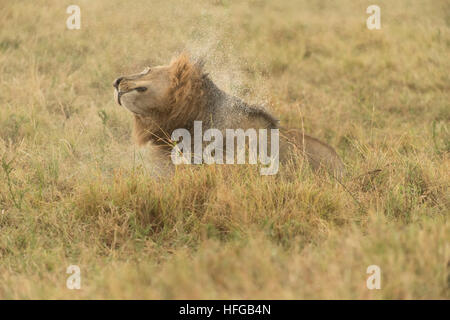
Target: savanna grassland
75, 190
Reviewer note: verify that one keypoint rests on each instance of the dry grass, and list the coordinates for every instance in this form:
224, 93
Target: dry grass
73, 190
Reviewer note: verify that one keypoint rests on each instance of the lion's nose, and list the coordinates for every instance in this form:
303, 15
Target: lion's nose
117, 82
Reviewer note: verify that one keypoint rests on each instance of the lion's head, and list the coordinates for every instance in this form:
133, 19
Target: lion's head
162, 98
143, 92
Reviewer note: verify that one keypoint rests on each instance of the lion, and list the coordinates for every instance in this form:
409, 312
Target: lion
165, 98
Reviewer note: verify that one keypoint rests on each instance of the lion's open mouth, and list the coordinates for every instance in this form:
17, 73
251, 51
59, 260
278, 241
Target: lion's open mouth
119, 94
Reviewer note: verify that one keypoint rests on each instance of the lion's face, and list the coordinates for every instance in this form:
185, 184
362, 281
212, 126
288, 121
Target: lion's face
144, 92
163, 98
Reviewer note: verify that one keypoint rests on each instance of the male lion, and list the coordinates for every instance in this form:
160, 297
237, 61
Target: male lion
166, 98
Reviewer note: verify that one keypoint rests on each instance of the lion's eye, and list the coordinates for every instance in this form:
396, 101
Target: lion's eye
140, 89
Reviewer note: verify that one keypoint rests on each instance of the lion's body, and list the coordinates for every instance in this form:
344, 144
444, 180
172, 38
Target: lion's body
319, 154
192, 96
